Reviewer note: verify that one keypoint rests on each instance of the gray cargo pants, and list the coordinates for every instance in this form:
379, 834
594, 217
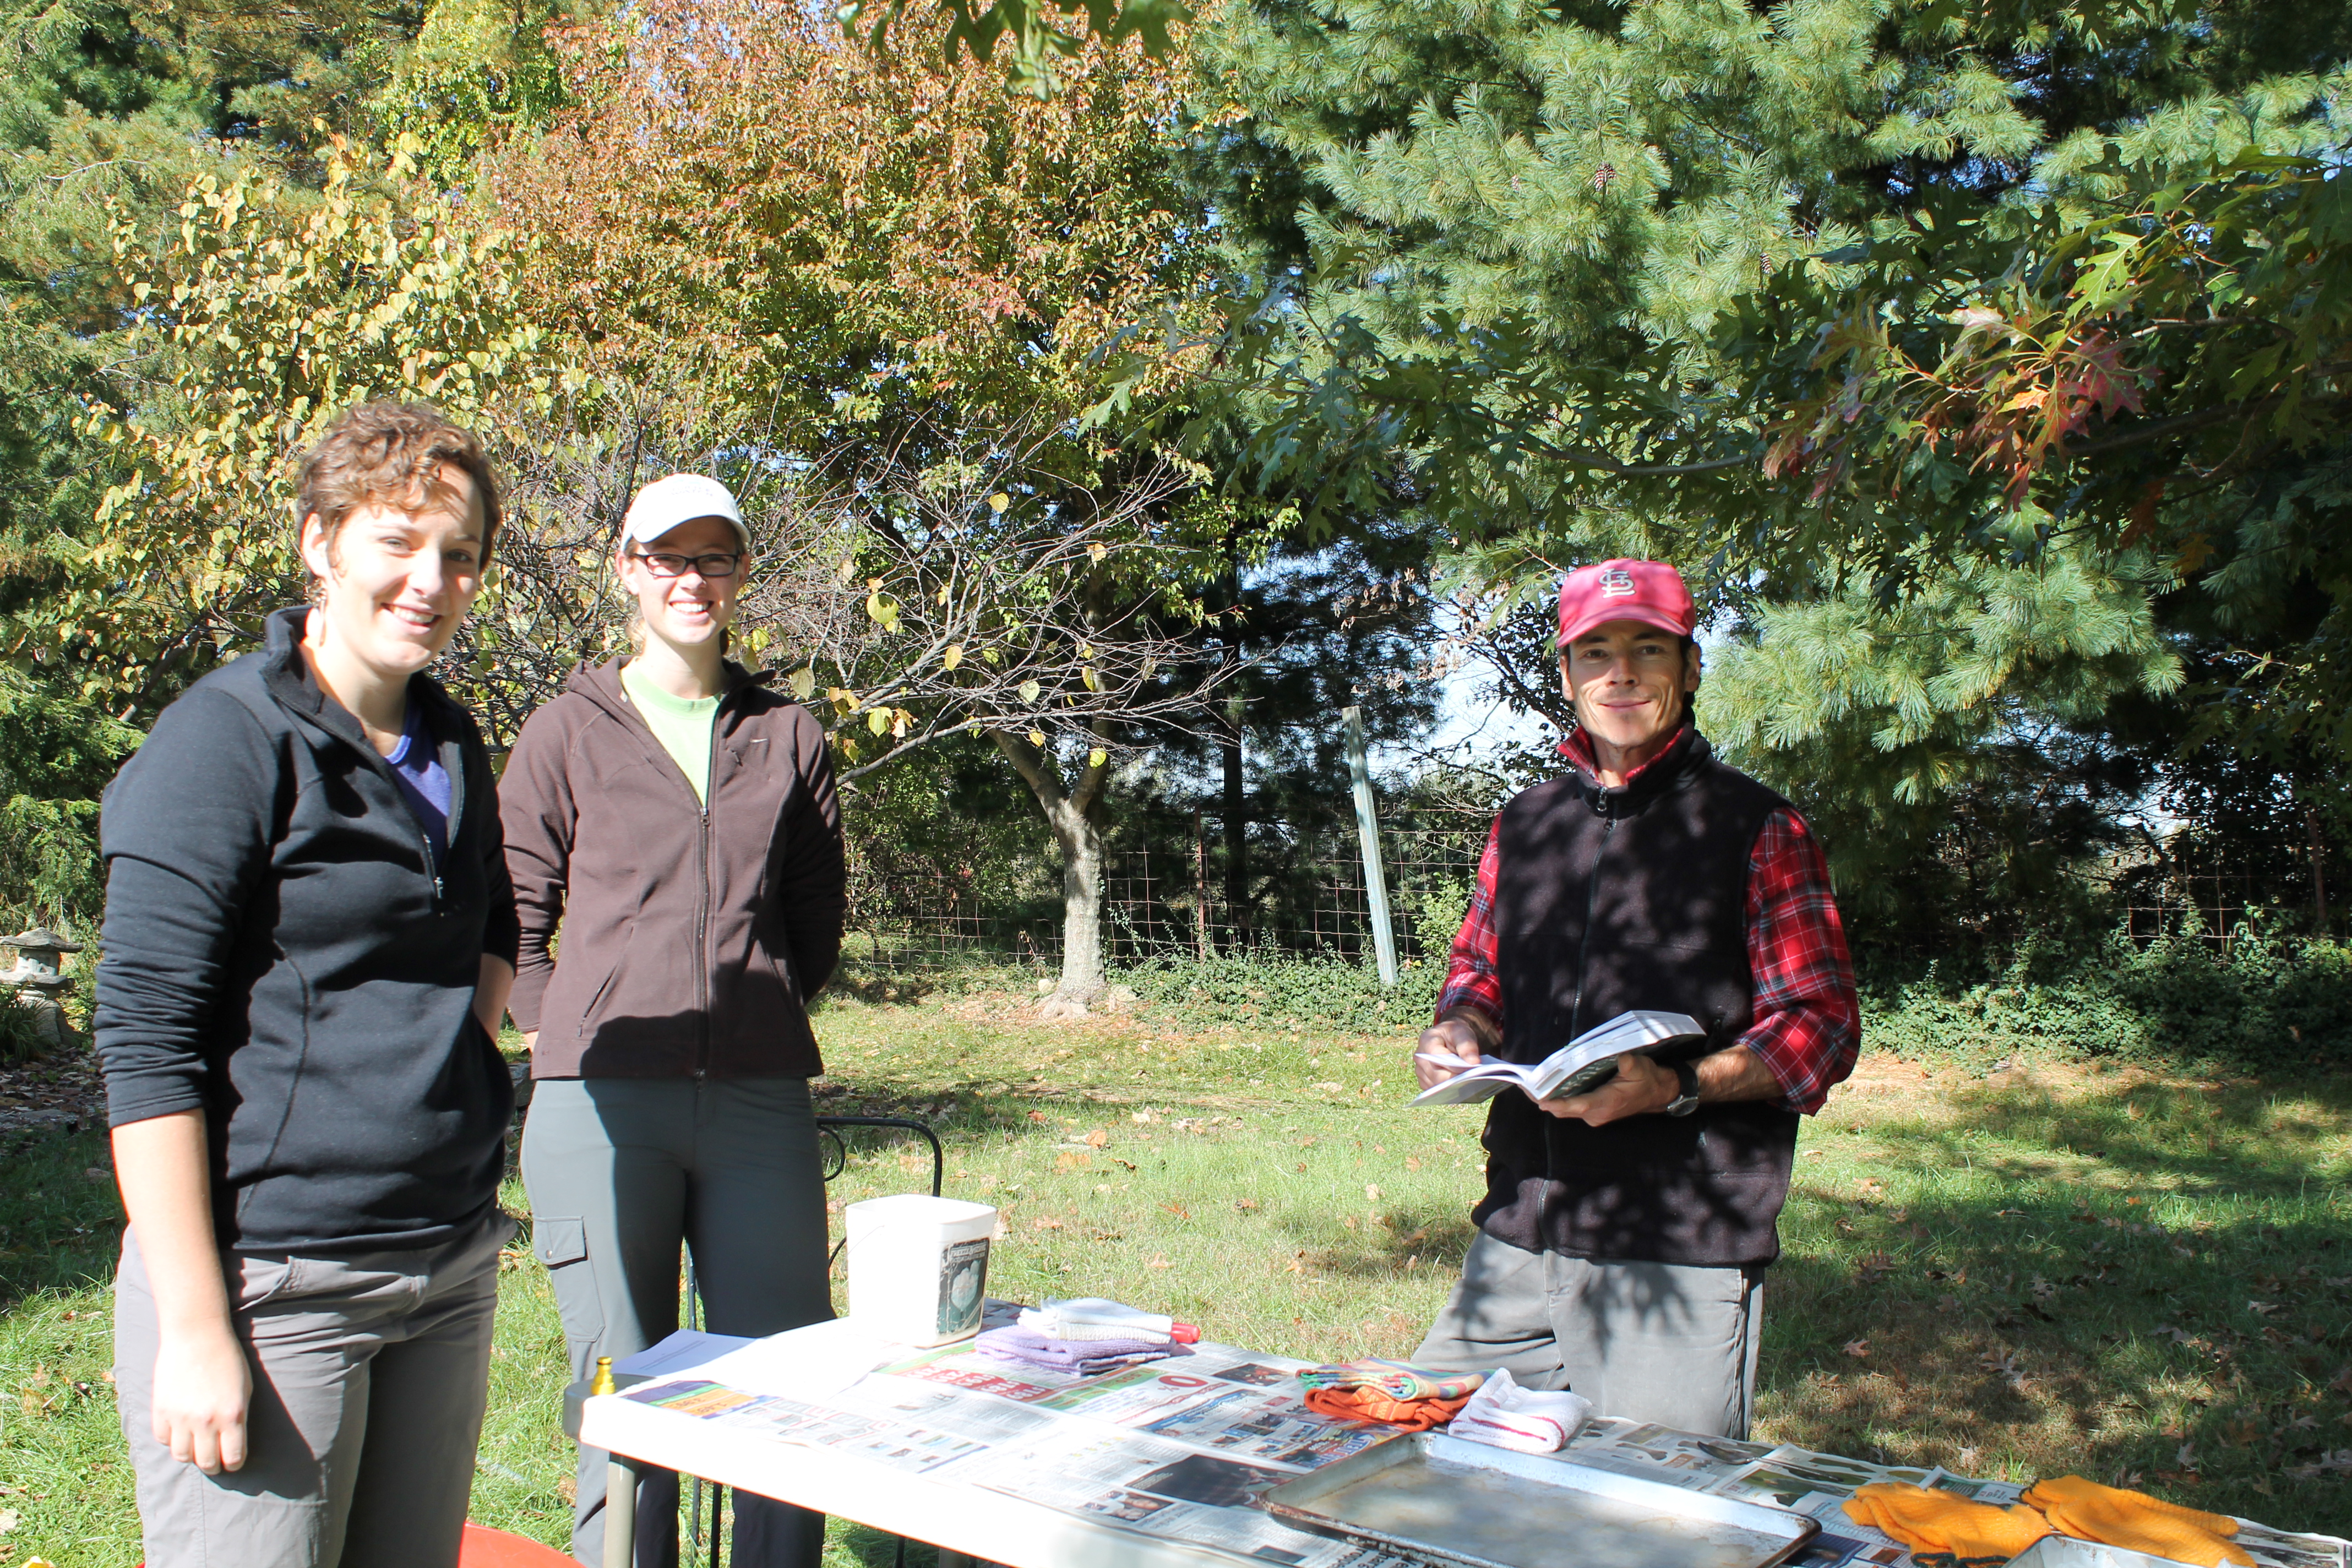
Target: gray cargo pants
620, 1172
1647, 1341
370, 1373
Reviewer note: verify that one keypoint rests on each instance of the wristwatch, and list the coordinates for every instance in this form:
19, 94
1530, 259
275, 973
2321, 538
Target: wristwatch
1686, 1099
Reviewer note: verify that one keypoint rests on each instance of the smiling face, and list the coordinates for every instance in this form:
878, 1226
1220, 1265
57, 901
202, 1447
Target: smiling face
396, 579
689, 609
1628, 680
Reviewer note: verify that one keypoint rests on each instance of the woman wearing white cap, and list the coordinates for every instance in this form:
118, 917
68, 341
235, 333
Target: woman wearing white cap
677, 819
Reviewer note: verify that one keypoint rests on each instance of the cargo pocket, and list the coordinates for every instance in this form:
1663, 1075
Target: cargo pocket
563, 1245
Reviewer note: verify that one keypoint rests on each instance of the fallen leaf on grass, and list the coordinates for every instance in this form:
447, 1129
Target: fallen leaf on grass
1349, 1221
1046, 1222
8, 1520
1037, 1116
1096, 1139
1302, 1164
1245, 1205
1412, 1162
1159, 1263
1068, 1162
1179, 1210
1858, 1349
1371, 1192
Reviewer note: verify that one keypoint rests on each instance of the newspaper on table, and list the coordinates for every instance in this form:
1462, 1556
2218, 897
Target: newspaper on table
1183, 1448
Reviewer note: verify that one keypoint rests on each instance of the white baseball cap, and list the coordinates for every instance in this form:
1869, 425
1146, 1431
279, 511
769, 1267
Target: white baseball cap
681, 497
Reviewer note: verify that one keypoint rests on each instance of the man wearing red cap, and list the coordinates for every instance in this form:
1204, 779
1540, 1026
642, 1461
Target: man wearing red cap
1625, 1232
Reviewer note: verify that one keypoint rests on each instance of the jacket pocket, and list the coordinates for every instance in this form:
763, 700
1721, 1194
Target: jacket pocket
595, 1009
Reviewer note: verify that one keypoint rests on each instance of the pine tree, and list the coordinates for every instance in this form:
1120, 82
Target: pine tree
1695, 280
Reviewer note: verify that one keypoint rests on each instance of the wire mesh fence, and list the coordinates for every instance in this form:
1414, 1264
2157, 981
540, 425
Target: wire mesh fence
1165, 896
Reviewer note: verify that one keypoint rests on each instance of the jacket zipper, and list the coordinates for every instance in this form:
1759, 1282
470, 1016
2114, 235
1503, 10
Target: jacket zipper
702, 908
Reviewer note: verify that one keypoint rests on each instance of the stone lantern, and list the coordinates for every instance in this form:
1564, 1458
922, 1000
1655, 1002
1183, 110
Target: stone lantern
40, 980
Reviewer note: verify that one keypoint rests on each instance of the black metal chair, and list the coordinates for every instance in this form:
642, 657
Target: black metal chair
836, 1160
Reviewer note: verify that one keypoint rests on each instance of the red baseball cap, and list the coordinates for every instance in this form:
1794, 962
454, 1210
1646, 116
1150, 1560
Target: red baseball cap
1650, 591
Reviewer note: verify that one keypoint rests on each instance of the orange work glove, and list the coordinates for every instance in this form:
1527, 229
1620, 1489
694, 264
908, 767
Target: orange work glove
1371, 1404
2089, 1512
1944, 1526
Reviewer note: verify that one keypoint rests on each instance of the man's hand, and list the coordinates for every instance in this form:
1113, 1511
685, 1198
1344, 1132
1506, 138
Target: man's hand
203, 1387
1449, 1036
1641, 1087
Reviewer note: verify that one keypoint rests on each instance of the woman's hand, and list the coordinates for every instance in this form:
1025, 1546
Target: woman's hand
203, 1387
203, 1383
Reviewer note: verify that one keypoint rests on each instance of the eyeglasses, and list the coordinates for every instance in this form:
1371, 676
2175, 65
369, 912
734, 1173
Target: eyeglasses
719, 563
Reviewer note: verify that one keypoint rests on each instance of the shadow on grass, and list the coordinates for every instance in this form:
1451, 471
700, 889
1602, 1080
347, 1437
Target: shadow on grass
2145, 1284
1411, 1235
60, 1219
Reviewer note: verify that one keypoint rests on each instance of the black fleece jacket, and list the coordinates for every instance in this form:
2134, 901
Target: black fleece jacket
279, 953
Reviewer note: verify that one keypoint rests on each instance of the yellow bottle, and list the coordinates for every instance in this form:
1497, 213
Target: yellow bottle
602, 1382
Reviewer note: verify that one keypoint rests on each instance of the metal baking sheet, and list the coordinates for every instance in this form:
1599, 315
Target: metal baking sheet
1445, 1500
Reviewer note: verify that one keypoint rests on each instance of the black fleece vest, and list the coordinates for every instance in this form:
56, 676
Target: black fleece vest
1607, 901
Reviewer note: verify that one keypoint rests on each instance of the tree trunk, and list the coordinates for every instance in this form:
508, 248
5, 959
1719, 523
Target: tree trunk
1229, 750
1070, 814
2318, 867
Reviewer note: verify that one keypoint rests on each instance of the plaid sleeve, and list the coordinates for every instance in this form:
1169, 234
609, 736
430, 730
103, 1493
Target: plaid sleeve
1470, 970
1808, 1024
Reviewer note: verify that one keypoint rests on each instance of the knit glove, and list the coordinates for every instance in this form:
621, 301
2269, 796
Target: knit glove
1942, 1528
2089, 1512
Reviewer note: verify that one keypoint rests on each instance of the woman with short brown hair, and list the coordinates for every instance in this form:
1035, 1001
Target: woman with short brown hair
309, 937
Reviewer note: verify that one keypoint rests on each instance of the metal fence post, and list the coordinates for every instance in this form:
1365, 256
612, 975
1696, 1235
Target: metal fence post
1368, 829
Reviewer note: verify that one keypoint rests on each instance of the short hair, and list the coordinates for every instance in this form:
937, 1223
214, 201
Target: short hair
383, 452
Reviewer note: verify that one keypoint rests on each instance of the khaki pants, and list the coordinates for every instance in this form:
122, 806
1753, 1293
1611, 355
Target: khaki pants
370, 1373
1645, 1341
622, 1169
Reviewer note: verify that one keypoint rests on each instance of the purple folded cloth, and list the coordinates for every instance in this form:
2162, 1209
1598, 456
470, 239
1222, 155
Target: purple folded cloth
1029, 1348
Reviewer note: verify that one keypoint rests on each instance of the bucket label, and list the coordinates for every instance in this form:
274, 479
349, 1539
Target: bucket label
963, 1286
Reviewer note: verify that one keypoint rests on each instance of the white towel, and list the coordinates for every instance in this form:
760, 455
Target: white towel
1527, 1420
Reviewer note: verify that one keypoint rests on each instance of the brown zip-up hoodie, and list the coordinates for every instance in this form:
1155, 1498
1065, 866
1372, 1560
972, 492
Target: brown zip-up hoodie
693, 937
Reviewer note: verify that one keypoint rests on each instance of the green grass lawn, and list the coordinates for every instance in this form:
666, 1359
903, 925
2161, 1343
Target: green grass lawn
2138, 1278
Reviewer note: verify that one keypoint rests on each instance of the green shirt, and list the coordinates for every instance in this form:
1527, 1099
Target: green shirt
682, 725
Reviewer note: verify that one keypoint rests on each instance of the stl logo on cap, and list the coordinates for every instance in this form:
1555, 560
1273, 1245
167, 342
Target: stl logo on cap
1650, 591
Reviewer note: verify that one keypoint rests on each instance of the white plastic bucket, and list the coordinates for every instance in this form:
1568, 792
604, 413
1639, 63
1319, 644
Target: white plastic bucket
918, 1266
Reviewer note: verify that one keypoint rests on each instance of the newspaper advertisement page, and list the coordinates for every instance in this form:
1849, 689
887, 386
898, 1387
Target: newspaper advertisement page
2278, 1548
1843, 1540
1654, 1453
1224, 1399
901, 1445
1786, 1475
977, 1415
1271, 1428
960, 1366
1157, 1488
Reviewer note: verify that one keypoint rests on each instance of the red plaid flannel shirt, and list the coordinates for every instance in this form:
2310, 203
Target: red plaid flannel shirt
1808, 1024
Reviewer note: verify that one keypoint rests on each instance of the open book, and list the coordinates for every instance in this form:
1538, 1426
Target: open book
1585, 1063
